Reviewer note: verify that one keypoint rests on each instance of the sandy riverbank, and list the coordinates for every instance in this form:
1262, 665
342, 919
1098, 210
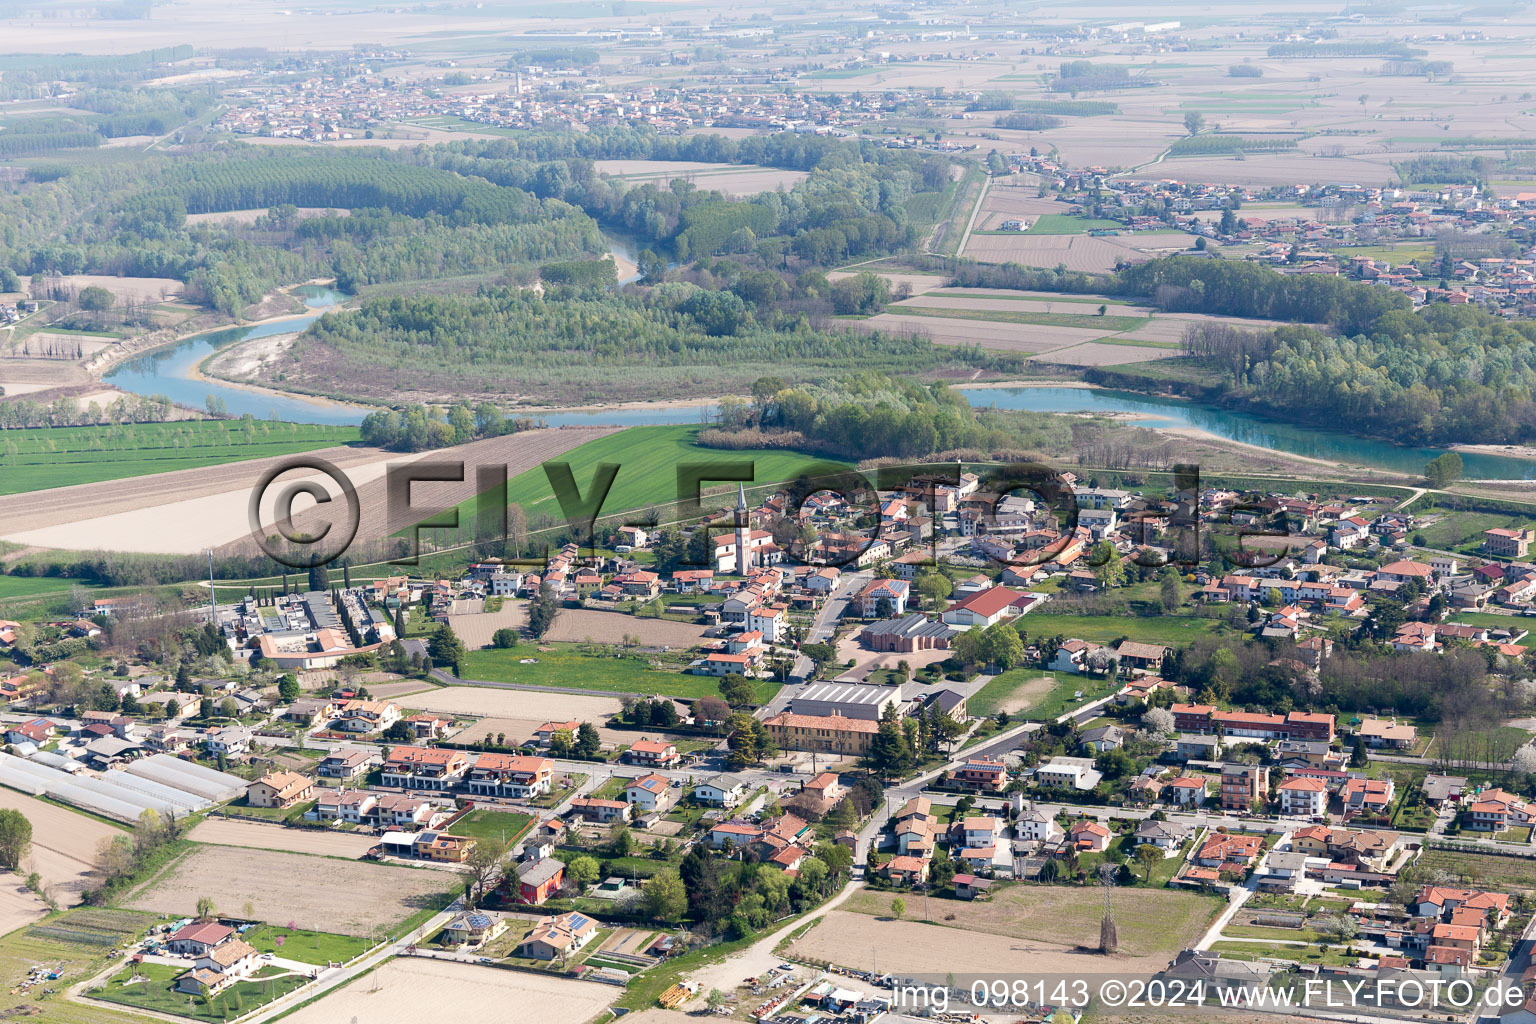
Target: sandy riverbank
1196, 434
1081, 385
250, 357
1511, 451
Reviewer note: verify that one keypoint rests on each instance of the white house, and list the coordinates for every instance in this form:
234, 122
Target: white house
1304, 797
723, 790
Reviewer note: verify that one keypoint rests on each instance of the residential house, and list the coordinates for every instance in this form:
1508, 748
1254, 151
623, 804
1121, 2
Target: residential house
654, 753
594, 809
540, 880
1089, 836
423, 767
367, 716
1494, 810
831, 734
345, 764
279, 789
723, 790
230, 740
649, 793
557, 937
1303, 797
1168, 836
518, 776
1068, 772
1243, 786
882, 598
199, 937
982, 773
471, 930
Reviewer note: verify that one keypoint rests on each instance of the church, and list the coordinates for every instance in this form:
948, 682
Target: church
758, 545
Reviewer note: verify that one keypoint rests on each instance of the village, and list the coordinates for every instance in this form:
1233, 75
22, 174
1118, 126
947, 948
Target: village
910, 719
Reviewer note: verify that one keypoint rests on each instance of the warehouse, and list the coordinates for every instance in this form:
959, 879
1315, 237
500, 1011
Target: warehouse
847, 700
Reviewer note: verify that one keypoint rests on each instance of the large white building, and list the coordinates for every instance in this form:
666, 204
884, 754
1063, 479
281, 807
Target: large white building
846, 700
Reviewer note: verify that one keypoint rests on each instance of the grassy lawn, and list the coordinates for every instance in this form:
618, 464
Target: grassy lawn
157, 992
492, 825
1518, 834
613, 789
305, 946
1253, 931
1172, 630
1043, 703
568, 669
1512, 622
1150, 921
1108, 324
1062, 224
1326, 956
35, 459
1459, 529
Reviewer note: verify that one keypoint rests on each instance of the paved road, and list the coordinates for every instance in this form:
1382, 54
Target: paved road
823, 626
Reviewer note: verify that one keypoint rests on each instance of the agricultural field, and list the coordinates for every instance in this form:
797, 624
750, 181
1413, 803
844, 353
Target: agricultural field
577, 625
320, 893
75, 943
30, 586
255, 835
731, 179
417, 989
869, 942
191, 510
63, 843
997, 336
1150, 921
1491, 870
41, 458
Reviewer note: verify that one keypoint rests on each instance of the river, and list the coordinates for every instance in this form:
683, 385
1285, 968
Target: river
1331, 445
172, 371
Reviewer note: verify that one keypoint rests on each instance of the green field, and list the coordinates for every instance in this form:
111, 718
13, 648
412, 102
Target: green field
1063, 224
648, 459
1108, 324
1051, 704
569, 669
38, 458
1164, 629
30, 586
306, 946
1497, 622
1458, 530
492, 825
